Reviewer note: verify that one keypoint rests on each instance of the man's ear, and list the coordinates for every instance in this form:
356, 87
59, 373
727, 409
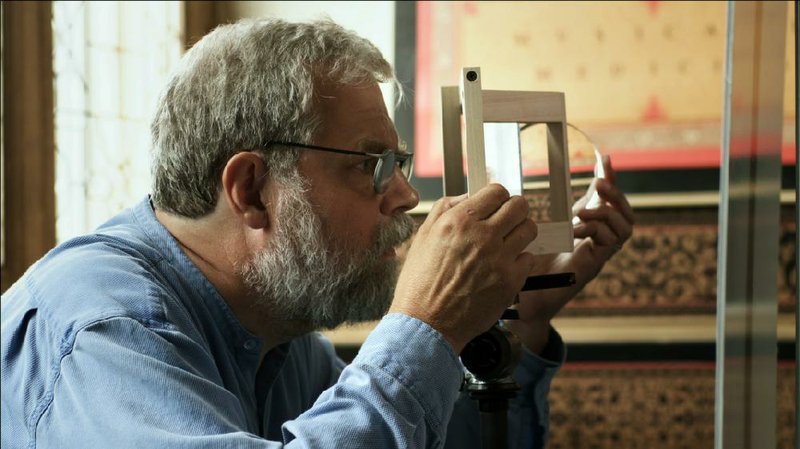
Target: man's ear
243, 179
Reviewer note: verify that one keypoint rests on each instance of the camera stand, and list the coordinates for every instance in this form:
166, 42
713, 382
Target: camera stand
492, 400
490, 359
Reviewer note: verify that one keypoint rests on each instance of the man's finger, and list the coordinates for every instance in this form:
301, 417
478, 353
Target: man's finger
519, 238
609, 192
509, 215
618, 224
610, 173
440, 207
598, 231
485, 202
522, 267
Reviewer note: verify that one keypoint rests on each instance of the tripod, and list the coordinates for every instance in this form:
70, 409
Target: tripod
490, 359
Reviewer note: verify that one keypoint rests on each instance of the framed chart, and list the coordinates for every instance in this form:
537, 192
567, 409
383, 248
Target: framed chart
643, 82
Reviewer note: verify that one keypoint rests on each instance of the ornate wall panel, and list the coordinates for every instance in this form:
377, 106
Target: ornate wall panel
647, 406
643, 78
669, 265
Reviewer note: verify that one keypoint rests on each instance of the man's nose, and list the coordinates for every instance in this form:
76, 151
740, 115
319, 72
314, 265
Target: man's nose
400, 195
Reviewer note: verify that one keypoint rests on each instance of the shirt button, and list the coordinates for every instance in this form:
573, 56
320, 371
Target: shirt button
250, 345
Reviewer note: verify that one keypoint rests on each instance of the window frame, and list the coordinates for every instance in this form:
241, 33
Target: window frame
28, 136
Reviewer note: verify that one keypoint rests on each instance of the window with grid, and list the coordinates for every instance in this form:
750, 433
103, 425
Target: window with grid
111, 60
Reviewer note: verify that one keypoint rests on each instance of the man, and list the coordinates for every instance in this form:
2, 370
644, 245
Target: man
188, 321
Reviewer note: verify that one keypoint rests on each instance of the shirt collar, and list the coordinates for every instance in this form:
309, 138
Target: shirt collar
241, 339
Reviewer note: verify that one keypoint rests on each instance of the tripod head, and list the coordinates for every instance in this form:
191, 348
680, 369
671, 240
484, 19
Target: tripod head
490, 359
493, 355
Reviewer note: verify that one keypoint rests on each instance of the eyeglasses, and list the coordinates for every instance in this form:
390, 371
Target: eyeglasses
384, 166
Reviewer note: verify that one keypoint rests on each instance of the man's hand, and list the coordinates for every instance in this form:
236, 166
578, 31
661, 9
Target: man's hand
600, 234
466, 263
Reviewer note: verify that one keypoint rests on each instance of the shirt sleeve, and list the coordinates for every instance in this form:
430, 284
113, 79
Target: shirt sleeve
125, 385
528, 412
399, 391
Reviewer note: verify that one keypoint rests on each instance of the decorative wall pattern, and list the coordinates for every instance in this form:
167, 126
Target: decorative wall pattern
669, 268
644, 78
669, 264
647, 406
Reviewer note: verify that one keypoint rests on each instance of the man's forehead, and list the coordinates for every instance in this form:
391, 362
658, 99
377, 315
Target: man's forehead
368, 143
358, 110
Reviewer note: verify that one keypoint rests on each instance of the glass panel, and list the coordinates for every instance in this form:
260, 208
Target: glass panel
502, 148
749, 224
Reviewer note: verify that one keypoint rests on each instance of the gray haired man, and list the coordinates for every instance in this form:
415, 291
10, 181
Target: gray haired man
279, 197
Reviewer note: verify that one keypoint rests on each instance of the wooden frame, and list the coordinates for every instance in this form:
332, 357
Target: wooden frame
29, 217
494, 106
200, 18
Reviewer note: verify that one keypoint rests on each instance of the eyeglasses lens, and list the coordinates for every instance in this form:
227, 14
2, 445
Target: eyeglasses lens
384, 170
407, 166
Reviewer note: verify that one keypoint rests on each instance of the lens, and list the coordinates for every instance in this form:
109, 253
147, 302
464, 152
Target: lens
407, 165
383, 171
385, 168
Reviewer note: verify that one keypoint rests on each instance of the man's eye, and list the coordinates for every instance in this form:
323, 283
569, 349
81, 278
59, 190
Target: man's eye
368, 165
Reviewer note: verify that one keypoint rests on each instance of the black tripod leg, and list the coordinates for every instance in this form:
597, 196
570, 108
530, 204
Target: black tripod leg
494, 423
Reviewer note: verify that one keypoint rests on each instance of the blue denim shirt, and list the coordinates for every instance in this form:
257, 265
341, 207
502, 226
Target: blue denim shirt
116, 340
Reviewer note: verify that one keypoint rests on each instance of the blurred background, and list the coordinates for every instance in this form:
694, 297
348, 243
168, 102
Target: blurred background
643, 82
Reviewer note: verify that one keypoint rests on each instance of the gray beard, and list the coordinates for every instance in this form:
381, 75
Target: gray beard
306, 278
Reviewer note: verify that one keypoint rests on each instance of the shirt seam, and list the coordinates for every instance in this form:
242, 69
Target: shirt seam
157, 308
399, 376
430, 417
65, 349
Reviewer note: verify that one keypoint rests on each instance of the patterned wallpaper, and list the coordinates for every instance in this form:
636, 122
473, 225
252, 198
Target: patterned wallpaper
648, 406
642, 78
669, 266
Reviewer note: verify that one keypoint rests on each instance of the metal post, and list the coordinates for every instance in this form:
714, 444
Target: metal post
749, 221
796, 249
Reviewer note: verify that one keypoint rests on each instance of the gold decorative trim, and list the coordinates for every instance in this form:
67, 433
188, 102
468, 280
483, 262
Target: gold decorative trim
649, 200
628, 329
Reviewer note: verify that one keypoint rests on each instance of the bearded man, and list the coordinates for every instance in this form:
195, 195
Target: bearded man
280, 193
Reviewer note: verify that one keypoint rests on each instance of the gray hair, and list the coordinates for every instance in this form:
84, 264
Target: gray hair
240, 87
